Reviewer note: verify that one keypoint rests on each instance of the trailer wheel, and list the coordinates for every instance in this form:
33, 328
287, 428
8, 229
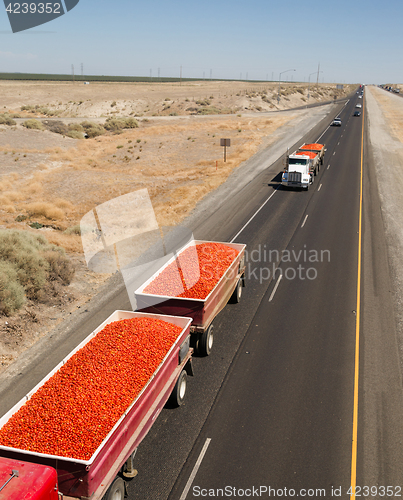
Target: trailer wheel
205, 342
178, 393
237, 293
116, 490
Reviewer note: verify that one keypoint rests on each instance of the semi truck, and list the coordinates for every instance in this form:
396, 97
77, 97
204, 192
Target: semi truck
33, 475
303, 165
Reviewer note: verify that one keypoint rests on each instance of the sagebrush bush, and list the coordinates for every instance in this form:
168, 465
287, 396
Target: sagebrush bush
75, 134
76, 127
27, 264
33, 124
7, 120
116, 124
73, 230
12, 294
92, 129
56, 126
60, 267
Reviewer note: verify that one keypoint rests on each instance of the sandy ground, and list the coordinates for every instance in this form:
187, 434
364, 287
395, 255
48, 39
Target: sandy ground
385, 115
175, 154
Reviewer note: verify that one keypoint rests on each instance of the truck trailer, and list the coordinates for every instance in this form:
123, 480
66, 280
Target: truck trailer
202, 311
33, 475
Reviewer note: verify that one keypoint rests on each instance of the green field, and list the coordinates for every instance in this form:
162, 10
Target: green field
102, 78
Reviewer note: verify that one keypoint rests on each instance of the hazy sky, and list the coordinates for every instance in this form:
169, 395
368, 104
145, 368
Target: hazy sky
354, 42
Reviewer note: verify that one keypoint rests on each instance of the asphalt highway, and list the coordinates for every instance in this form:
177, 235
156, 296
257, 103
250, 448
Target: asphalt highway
273, 405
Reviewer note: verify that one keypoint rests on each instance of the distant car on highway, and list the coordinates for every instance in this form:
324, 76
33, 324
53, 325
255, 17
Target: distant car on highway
357, 113
358, 106
336, 122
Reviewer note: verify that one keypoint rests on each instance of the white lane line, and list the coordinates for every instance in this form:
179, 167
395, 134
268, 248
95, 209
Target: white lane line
303, 224
334, 153
319, 187
338, 143
254, 215
195, 469
328, 167
275, 287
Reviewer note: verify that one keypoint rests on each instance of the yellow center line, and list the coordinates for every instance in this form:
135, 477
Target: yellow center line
357, 334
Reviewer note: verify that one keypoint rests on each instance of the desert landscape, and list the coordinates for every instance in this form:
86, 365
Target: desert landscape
164, 137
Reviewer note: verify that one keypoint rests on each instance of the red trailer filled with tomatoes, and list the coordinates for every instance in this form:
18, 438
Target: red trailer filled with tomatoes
76, 433
196, 283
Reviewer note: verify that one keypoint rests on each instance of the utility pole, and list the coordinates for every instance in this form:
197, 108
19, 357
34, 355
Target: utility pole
317, 78
72, 71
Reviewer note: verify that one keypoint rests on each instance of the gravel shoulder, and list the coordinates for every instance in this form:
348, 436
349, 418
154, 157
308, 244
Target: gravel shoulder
385, 116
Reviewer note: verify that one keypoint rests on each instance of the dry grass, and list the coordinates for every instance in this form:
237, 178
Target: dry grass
48, 210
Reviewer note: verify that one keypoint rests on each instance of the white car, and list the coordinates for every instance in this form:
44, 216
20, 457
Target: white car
337, 122
358, 106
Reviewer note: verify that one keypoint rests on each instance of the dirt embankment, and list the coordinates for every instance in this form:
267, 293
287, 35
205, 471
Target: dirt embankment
49, 181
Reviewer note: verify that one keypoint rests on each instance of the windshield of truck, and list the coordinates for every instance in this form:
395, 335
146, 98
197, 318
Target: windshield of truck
296, 161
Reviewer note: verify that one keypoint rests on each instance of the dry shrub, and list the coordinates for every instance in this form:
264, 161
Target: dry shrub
60, 267
21, 250
73, 230
12, 294
48, 210
5, 200
76, 127
74, 134
27, 264
118, 124
13, 195
70, 242
56, 126
33, 188
33, 124
7, 120
92, 129
63, 204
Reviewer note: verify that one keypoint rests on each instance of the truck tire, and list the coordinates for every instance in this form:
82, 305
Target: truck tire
205, 343
237, 293
116, 490
178, 393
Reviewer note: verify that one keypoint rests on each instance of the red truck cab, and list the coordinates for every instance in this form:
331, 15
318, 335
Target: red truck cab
27, 481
